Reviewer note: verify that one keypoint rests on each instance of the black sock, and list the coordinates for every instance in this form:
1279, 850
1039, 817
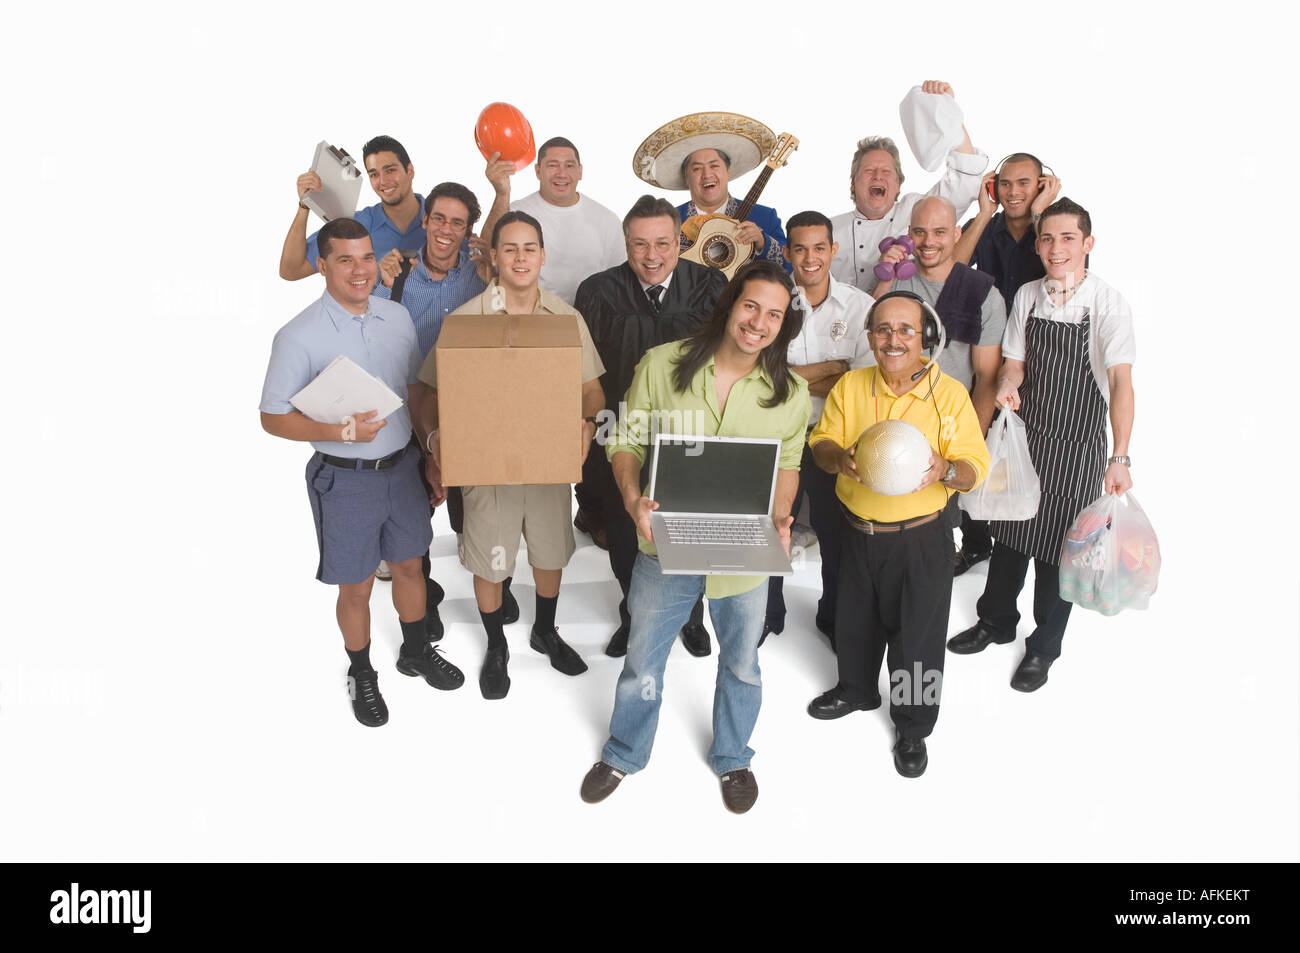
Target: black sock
546, 613
413, 637
496, 631
360, 660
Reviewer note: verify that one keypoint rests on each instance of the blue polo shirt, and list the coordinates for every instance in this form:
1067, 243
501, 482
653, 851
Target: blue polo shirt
429, 300
1010, 262
382, 341
384, 236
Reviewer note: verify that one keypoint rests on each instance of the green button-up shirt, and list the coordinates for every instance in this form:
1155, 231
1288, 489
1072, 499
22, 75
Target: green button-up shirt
694, 413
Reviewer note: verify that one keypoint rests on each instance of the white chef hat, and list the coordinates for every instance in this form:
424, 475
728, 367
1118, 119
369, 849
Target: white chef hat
932, 123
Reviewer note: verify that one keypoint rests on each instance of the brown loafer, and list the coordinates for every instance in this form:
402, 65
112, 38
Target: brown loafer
739, 790
600, 782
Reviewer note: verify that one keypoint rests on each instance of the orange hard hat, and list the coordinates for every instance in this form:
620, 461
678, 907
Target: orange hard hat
502, 128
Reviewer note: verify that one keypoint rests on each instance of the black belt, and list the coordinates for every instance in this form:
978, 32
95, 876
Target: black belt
872, 528
350, 463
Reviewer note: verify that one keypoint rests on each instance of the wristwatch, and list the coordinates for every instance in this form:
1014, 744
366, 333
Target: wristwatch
952, 472
1127, 461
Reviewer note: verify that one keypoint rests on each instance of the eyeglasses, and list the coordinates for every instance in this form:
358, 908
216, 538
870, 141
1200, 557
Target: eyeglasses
439, 220
883, 332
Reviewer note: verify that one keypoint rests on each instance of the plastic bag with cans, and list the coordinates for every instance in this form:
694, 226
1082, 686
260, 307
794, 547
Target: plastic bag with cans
1110, 560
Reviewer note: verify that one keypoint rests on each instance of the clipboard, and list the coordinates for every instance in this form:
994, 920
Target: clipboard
340, 183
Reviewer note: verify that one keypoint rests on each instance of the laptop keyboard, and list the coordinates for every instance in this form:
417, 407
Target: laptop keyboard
716, 532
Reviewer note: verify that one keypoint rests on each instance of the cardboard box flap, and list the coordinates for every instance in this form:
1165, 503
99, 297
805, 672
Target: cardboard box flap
509, 330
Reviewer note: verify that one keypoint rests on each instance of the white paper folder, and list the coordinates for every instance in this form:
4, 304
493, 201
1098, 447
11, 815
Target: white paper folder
344, 389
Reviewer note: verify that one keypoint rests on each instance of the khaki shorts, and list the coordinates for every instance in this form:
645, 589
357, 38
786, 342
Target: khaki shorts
495, 518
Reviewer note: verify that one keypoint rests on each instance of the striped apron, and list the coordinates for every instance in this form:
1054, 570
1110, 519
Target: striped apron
1065, 422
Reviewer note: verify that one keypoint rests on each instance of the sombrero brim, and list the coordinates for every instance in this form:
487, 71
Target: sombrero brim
746, 141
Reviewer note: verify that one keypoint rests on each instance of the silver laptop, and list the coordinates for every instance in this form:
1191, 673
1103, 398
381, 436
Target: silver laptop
715, 506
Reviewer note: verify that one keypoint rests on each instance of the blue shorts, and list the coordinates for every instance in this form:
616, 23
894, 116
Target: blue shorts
363, 516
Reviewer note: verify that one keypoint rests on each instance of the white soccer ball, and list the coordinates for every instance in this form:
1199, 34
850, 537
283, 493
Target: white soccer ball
893, 457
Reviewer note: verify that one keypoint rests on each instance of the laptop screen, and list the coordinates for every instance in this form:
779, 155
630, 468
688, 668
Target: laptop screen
715, 476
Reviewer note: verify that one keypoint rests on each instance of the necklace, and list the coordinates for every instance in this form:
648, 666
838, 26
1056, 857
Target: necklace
1055, 288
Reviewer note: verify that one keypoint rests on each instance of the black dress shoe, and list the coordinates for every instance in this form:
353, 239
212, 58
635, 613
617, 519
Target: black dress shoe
493, 679
966, 559
832, 704
617, 647
976, 639
767, 630
367, 704
433, 592
563, 658
432, 667
433, 627
600, 782
696, 639
509, 608
910, 758
1031, 673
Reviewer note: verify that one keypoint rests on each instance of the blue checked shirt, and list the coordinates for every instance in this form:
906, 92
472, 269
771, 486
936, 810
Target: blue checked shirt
430, 300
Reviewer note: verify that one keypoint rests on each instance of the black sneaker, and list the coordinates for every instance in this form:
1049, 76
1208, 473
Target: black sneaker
432, 667
509, 608
367, 704
433, 627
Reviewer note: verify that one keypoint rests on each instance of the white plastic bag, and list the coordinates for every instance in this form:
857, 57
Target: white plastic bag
1011, 491
1110, 559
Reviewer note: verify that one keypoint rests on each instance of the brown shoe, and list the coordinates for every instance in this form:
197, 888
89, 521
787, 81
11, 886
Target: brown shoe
739, 790
600, 782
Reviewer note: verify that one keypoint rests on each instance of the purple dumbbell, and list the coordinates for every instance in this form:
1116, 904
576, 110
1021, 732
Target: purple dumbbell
888, 271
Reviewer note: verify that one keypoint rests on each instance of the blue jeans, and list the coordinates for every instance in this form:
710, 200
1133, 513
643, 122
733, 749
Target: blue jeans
660, 605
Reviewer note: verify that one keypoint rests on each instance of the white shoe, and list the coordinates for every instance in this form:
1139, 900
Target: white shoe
383, 573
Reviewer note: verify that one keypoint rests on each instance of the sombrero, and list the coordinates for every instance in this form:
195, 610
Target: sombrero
658, 160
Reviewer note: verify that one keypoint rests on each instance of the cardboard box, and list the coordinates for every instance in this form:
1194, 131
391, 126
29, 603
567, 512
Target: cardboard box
510, 399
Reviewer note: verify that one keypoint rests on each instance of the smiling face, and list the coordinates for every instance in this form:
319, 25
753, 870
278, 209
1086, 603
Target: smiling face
707, 177
445, 226
350, 271
652, 248
756, 317
896, 336
518, 257
389, 178
876, 184
810, 252
934, 231
558, 175
1063, 247
1017, 186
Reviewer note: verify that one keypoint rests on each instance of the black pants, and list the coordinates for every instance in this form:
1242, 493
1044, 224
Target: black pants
997, 607
975, 536
894, 593
827, 523
620, 531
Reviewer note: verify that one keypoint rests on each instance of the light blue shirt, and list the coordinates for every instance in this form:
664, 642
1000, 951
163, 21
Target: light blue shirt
429, 300
384, 236
382, 341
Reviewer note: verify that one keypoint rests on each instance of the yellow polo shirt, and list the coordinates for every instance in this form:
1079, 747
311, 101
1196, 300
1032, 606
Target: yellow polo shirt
861, 399
695, 413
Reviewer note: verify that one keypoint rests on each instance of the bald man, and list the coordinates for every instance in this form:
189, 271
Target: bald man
974, 317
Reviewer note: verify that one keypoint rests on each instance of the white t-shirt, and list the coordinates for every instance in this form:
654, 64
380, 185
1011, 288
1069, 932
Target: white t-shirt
1110, 336
835, 331
860, 238
580, 239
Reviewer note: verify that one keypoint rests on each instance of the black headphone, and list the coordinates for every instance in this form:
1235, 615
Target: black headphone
931, 326
1047, 169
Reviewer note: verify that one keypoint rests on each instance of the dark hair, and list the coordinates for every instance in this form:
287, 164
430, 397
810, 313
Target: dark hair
341, 229
509, 219
726, 159
557, 142
1022, 157
704, 342
1064, 206
385, 144
454, 190
810, 220
647, 206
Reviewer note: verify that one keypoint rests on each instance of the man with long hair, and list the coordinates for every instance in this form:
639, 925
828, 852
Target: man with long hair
730, 378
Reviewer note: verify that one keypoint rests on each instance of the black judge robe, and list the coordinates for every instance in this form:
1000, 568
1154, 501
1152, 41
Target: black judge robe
624, 326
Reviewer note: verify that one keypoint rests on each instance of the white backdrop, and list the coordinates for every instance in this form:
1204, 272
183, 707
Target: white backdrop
170, 673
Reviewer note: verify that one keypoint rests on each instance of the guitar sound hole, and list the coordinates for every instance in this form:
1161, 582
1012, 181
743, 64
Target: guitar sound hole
718, 253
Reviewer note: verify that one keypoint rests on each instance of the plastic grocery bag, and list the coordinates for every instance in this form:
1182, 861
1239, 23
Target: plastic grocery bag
1110, 559
1011, 490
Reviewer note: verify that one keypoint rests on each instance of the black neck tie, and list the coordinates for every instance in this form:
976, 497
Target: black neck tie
653, 293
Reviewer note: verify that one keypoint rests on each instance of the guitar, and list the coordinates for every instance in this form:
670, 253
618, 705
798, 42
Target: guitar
714, 236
